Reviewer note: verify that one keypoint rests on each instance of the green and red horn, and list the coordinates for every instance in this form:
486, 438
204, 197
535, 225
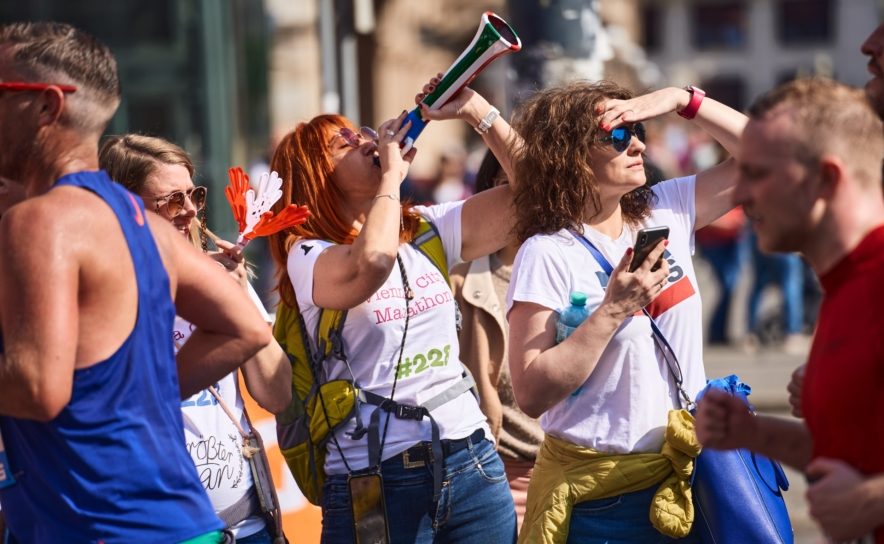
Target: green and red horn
493, 39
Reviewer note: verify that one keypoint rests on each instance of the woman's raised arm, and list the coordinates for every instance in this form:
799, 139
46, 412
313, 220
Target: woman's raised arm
714, 186
488, 218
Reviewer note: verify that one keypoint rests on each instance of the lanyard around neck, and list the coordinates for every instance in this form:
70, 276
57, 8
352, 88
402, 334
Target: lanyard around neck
662, 343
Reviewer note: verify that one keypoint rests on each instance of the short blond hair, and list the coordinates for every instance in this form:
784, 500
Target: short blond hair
828, 117
61, 53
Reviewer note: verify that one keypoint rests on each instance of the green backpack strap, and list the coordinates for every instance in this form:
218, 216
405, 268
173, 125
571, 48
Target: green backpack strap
328, 333
428, 242
290, 331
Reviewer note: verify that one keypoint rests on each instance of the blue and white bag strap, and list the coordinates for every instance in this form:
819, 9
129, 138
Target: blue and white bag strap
662, 343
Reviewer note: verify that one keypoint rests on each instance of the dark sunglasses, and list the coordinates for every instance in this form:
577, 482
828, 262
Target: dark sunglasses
620, 137
353, 139
31, 86
174, 202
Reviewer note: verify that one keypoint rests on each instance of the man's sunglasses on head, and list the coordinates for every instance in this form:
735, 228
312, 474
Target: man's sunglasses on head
33, 86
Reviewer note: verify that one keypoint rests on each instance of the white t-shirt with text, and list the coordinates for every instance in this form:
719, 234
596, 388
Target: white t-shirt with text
622, 407
213, 440
372, 335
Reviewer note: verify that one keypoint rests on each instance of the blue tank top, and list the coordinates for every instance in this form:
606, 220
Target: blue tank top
112, 466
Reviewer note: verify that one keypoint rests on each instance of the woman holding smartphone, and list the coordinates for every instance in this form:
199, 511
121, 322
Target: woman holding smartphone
604, 392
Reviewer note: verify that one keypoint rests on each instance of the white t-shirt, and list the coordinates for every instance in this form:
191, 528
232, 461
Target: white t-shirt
622, 407
372, 335
213, 440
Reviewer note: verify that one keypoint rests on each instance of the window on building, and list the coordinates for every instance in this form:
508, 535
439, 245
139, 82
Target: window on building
721, 25
727, 89
805, 21
651, 28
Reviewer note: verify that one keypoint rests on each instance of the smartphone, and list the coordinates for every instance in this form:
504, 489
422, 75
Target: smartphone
369, 510
647, 240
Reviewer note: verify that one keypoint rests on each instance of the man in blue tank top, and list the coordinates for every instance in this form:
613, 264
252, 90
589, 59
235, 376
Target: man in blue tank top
89, 389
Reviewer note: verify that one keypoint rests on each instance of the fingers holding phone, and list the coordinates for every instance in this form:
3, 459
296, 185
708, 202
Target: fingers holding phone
647, 242
641, 275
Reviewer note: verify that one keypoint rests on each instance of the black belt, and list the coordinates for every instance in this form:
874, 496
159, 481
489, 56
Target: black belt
422, 453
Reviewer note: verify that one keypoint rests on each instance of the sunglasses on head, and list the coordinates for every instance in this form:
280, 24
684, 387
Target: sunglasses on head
174, 202
620, 137
32, 86
353, 139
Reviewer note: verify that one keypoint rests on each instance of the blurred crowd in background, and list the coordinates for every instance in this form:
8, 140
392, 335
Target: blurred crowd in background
227, 79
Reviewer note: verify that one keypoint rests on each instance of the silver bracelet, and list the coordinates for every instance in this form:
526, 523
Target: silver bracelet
488, 120
388, 195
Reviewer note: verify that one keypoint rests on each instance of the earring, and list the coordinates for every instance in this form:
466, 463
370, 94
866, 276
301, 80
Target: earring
204, 238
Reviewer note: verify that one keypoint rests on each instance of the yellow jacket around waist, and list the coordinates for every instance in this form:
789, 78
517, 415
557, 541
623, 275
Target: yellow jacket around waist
566, 474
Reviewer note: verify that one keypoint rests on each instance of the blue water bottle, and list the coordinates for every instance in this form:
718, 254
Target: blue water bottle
572, 316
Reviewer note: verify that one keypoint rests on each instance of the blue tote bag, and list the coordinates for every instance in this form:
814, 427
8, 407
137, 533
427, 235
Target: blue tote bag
738, 494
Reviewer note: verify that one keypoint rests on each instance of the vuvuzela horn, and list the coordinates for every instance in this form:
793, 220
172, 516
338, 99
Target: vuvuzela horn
493, 39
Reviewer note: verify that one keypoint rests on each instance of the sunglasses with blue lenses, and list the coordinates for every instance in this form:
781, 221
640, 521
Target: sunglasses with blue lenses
620, 137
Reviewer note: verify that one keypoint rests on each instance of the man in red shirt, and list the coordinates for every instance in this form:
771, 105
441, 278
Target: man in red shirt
810, 181
873, 47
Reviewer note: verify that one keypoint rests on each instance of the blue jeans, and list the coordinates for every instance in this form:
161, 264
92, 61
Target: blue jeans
475, 506
727, 262
786, 271
261, 537
619, 520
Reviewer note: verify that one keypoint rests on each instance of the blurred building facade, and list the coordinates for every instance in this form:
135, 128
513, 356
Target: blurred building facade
737, 49
384, 50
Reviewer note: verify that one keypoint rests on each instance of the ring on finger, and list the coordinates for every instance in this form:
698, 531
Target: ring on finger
389, 133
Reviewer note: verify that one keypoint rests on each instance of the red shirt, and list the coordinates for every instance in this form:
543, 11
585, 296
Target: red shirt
843, 395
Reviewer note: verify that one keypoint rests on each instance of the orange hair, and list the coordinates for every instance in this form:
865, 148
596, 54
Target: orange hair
303, 161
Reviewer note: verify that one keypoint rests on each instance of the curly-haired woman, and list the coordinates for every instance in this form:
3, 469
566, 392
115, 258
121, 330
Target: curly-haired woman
604, 391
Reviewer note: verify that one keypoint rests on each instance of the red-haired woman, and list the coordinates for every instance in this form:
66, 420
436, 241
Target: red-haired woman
400, 336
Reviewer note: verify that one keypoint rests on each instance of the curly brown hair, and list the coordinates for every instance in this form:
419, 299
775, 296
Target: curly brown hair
559, 127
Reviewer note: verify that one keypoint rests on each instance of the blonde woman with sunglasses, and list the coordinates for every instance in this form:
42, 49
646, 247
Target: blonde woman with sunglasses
215, 422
